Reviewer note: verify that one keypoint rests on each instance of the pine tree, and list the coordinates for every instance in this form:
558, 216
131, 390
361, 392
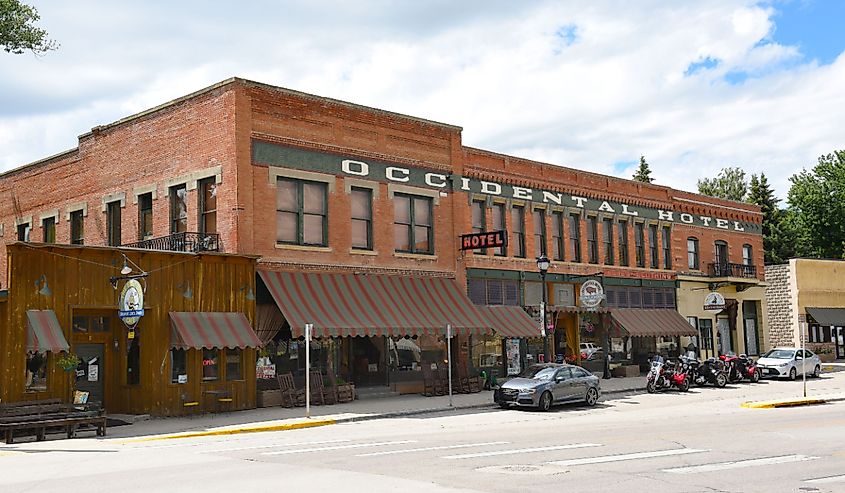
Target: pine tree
643, 173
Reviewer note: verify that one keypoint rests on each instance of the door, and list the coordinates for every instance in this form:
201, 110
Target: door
723, 327
751, 337
563, 385
90, 373
839, 338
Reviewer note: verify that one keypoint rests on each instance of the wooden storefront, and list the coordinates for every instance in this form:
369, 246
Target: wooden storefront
191, 301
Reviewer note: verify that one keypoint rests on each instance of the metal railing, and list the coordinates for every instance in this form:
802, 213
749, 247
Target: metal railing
725, 269
181, 242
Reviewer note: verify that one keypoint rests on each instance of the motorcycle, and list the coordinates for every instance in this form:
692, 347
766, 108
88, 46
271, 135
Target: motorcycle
708, 371
740, 368
663, 375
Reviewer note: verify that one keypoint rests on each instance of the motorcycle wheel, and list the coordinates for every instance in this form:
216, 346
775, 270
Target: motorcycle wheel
721, 380
699, 381
650, 388
756, 376
684, 386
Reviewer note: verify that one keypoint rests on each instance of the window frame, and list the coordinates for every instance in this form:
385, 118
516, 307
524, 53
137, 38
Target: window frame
24, 231
145, 209
368, 221
77, 227
412, 224
49, 233
607, 238
721, 261
539, 232
481, 207
177, 218
639, 244
501, 210
622, 232
174, 377
113, 223
203, 212
694, 254
653, 247
747, 260
575, 236
299, 189
558, 243
227, 363
592, 240
666, 238
45, 366
218, 360
518, 230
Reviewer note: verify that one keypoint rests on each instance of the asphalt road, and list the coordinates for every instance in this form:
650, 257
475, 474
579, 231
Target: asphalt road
699, 441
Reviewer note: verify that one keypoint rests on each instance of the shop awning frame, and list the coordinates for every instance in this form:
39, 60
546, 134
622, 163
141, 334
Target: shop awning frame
511, 321
44, 332
827, 316
198, 330
642, 322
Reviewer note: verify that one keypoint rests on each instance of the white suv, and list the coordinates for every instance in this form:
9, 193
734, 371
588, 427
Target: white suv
588, 349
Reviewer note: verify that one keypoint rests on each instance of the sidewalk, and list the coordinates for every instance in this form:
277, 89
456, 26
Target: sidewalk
279, 418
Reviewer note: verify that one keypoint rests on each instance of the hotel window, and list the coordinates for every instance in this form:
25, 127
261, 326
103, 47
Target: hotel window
233, 364
607, 238
667, 242
113, 222
538, 217
747, 257
518, 227
77, 228
499, 225
210, 364
36, 371
23, 232
48, 225
178, 364
412, 228
575, 237
301, 217
557, 236
178, 209
592, 240
145, 216
652, 246
692, 253
207, 196
721, 258
362, 218
479, 221
623, 243
639, 244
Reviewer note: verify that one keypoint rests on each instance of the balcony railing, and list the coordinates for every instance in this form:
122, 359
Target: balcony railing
181, 242
731, 270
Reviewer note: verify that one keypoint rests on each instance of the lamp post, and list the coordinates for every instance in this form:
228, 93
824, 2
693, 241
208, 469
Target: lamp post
543, 265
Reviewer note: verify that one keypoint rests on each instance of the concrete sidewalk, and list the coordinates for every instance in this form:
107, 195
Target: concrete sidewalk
279, 418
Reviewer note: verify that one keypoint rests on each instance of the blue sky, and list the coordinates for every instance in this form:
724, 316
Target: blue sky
588, 84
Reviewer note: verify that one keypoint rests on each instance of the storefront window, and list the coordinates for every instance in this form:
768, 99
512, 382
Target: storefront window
233, 364
36, 371
178, 366
210, 361
487, 353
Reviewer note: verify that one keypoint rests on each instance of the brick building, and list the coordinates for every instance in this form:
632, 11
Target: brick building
319, 186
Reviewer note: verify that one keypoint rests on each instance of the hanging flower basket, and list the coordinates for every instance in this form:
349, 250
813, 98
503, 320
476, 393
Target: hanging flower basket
68, 362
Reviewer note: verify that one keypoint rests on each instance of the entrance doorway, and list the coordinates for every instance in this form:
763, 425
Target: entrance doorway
367, 355
839, 338
90, 375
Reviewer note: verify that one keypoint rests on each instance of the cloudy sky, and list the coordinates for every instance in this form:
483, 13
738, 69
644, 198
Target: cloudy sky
695, 86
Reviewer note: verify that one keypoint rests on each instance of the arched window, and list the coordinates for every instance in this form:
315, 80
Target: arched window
747, 256
692, 253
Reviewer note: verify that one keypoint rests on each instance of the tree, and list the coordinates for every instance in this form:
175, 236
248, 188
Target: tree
780, 230
817, 198
643, 173
17, 32
729, 184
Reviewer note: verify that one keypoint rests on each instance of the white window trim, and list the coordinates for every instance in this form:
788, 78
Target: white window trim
295, 174
2, 230
190, 180
350, 183
23, 220
79, 206
392, 190
47, 215
142, 190
114, 197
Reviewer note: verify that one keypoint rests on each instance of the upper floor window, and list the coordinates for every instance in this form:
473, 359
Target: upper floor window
48, 225
623, 243
607, 238
412, 226
557, 235
77, 228
692, 253
575, 237
667, 242
721, 253
538, 217
518, 227
145, 216
301, 212
639, 243
747, 257
362, 218
23, 231
499, 225
652, 245
592, 240
207, 196
113, 223
479, 220
178, 209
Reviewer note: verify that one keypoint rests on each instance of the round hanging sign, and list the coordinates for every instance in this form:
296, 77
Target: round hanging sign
592, 293
130, 304
714, 302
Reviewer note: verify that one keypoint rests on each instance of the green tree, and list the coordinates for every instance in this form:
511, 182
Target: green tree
729, 184
817, 198
17, 32
780, 230
643, 173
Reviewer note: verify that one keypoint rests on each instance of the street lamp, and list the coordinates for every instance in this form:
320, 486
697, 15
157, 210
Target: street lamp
543, 265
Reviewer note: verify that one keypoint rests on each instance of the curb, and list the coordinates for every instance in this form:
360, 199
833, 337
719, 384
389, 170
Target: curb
784, 403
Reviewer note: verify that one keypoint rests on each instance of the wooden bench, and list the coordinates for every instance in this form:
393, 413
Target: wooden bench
26, 418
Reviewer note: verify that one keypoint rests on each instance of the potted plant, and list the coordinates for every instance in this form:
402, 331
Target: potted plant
68, 362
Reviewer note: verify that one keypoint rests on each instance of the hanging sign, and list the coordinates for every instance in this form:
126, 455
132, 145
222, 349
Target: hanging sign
714, 302
592, 293
130, 304
489, 239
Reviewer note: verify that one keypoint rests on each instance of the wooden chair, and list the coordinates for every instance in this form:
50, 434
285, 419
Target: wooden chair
329, 390
431, 381
190, 405
460, 379
291, 396
318, 393
474, 382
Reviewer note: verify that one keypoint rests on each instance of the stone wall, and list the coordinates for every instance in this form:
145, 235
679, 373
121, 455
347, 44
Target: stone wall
779, 305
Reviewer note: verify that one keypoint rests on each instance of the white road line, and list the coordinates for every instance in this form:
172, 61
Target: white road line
621, 457
426, 449
521, 451
339, 447
322, 442
721, 466
829, 479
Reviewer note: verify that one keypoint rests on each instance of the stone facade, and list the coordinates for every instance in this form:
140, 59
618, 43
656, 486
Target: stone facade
779, 300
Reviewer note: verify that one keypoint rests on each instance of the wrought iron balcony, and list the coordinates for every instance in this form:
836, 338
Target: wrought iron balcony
725, 269
181, 242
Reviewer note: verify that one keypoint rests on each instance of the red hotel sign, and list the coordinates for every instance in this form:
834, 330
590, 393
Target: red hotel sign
489, 239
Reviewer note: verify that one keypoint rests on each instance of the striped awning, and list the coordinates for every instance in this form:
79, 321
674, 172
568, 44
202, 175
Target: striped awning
196, 330
44, 332
639, 322
511, 321
372, 304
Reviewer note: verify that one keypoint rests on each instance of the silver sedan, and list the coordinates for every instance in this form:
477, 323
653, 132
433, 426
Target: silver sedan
789, 362
540, 386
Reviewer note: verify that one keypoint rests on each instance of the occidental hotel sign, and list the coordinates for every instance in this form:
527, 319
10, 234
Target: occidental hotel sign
275, 155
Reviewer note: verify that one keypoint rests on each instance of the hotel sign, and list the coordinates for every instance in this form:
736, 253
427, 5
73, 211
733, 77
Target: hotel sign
276, 155
490, 239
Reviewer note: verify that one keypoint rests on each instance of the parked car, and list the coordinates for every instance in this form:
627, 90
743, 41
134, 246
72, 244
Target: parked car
588, 349
542, 385
789, 362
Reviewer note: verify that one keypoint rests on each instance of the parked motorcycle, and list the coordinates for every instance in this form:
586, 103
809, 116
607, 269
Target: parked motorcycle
708, 371
664, 375
740, 368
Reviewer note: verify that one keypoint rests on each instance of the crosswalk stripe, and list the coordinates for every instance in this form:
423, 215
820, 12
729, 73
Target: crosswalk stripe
828, 479
521, 451
621, 457
426, 449
296, 444
338, 447
721, 466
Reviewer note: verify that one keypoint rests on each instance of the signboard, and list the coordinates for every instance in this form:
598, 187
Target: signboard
512, 353
714, 302
130, 304
592, 294
489, 239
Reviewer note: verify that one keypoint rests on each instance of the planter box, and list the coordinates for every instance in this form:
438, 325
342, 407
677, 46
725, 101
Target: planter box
268, 398
626, 371
827, 357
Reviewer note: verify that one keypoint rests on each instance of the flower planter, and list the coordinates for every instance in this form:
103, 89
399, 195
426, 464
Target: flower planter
268, 398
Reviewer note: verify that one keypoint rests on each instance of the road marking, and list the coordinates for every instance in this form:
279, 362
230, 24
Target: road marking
426, 449
829, 479
621, 457
721, 466
322, 442
521, 451
338, 447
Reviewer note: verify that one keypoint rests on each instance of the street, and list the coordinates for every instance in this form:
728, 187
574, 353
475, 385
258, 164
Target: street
699, 441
